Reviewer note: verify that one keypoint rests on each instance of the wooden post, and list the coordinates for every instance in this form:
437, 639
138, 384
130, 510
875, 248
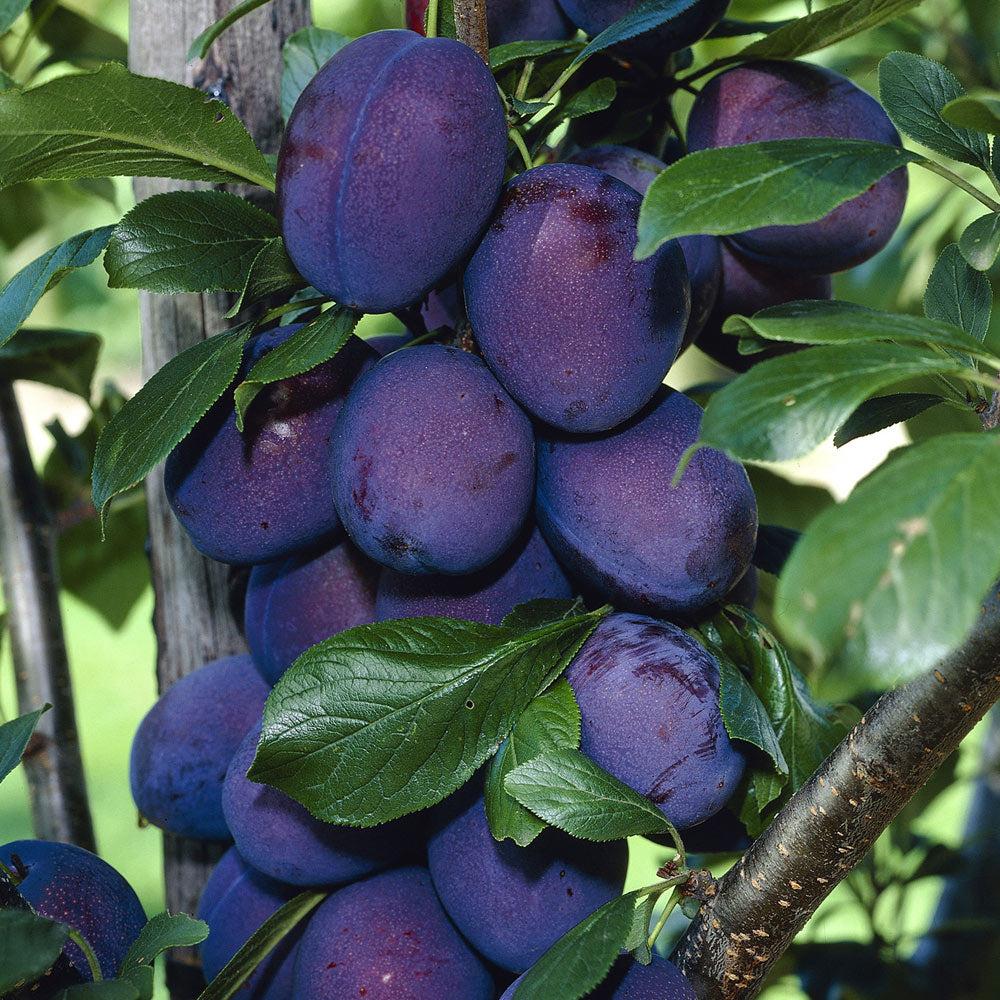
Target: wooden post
192, 615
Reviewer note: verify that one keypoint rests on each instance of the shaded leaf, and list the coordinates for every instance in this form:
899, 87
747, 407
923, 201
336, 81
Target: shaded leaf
979, 111
879, 412
160, 933
731, 28
188, 241
315, 343
271, 273
29, 946
596, 97
645, 17
503, 55
78, 40
980, 243
14, 736
112, 123
743, 713
155, 420
913, 90
774, 545
21, 294
551, 721
911, 573
304, 53
108, 989
61, 358
542, 611
10, 11
786, 406
959, 295
448, 691
201, 45
779, 182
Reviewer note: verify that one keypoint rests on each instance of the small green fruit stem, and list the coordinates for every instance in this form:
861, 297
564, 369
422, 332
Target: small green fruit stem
959, 182
432, 18
672, 900
518, 140
84, 945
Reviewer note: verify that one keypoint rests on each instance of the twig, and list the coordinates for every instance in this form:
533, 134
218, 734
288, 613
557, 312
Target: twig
56, 784
830, 823
470, 26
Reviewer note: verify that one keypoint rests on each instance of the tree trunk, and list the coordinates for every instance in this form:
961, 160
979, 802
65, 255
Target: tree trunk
193, 618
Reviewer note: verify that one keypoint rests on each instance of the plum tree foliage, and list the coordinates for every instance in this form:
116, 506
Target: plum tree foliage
442, 736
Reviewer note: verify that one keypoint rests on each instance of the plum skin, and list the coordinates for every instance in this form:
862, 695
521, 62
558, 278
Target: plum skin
72, 885
304, 600
383, 938
628, 980
649, 699
385, 141
544, 294
281, 839
607, 508
526, 572
433, 464
184, 744
263, 494
765, 100
512, 903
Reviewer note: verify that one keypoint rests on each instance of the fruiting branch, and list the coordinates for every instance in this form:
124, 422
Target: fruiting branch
59, 808
832, 821
470, 26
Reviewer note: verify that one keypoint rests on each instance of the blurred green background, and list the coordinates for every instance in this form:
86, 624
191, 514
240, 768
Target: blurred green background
108, 614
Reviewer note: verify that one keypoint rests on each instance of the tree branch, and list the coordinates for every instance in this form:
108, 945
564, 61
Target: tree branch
830, 823
56, 784
470, 26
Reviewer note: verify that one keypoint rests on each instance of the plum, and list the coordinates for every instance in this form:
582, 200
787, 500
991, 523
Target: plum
387, 938
390, 166
649, 702
185, 742
606, 506
545, 293
262, 494
526, 572
244, 906
281, 839
66, 883
758, 101
512, 903
305, 600
701, 253
594, 16
228, 869
433, 463
628, 980
509, 20
385, 343
747, 286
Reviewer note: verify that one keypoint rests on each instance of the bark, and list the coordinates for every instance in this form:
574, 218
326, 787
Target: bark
192, 615
52, 763
831, 822
470, 26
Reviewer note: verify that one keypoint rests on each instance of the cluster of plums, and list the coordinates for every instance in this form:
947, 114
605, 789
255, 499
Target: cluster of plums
396, 481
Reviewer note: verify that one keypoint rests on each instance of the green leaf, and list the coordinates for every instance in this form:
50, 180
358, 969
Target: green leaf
779, 182
14, 737
732, 28
569, 791
234, 974
550, 722
647, 16
504, 55
304, 53
915, 551
21, 294
154, 421
978, 111
315, 343
959, 295
188, 241
6, 82
825, 27
61, 358
201, 45
162, 932
112, 122
596, 97
78, 40
108, 989
980, 243
835, 322
447, 691
637, 941
29, 946
10, 11
743, 713
271, 273
913, 90
879, 412
786, 406
581, 959
543, 611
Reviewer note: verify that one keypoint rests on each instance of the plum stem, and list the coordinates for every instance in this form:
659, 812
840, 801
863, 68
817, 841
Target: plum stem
959, 182
672, 900
518, 140
88, 953
432, 19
